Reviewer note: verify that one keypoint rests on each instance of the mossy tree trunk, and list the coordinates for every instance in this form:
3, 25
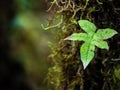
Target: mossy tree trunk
103, 72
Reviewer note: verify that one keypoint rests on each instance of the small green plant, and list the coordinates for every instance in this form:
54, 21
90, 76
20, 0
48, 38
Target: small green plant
91, 39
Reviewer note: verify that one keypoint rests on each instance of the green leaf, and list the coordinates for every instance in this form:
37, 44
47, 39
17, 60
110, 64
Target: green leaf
87, 26
101, 44
77, 36
91, 39
87, 53
105, 33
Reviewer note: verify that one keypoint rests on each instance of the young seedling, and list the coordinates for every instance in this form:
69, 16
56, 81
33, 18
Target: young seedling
91, 38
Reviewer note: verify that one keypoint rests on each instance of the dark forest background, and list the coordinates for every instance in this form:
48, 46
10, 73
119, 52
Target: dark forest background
25, 48
24, 45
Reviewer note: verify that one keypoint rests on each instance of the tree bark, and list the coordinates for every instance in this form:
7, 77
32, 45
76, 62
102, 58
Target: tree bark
102, 73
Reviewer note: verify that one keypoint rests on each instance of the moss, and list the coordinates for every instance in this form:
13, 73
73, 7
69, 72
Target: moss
100, 74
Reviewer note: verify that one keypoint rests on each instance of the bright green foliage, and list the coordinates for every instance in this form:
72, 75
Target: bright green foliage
78, 36
91, 39
87, 26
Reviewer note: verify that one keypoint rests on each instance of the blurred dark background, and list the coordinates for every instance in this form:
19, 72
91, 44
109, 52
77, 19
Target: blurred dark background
24, 45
